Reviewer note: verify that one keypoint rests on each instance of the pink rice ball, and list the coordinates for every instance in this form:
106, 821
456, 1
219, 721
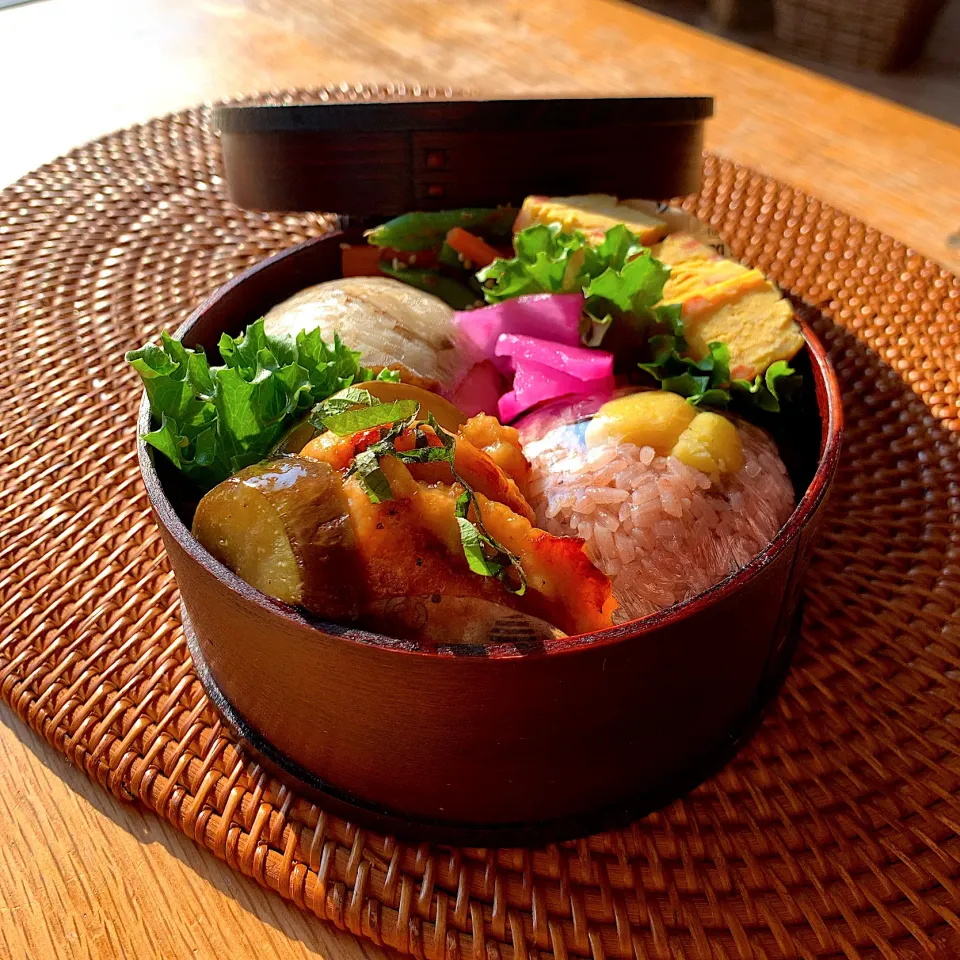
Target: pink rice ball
661, 530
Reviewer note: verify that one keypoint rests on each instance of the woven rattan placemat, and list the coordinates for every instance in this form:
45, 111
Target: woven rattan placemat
834, 833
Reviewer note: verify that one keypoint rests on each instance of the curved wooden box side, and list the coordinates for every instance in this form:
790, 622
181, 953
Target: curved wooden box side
495, 741
484, 740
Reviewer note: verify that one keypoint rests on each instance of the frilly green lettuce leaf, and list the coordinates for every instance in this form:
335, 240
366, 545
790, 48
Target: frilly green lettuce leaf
633, 287
619, 278
707, 382
620, 270
215, 420
702, 382
778, 384
623, 284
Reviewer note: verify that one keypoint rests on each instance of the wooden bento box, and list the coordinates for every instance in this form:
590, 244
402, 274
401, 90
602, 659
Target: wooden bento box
481, 744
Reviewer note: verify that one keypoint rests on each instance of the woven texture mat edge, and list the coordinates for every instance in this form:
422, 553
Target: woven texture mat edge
834, 833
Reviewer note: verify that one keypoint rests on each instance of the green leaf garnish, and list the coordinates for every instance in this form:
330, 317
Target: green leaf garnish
473, 549
707, 382
635, 287
703, 382
778, 384
619, 245
215, 420
340, 403
365, 418
365, 375
546, 261
464, 502
366, 468
446, 438
620, 270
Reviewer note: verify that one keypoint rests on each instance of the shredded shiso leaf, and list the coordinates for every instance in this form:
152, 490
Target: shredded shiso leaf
484, 554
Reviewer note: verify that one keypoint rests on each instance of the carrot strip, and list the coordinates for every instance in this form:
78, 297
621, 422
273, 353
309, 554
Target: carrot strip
471, 247
363, 260
360, 260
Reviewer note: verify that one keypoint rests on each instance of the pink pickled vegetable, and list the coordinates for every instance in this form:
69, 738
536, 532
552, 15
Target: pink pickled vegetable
509, 407
536, 339
576, 362
535, 382
479, 390
550, 316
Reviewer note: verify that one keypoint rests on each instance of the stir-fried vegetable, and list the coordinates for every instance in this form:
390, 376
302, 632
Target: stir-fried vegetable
357, 260
424, 442
437, 252
428, 231
472, 251
453, 292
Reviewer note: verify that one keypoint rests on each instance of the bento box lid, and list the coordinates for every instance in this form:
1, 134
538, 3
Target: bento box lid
388, 156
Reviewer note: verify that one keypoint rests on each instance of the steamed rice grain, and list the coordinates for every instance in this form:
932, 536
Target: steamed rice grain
661, 530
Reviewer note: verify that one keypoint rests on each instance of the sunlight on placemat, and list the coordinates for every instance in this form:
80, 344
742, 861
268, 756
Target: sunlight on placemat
832, 834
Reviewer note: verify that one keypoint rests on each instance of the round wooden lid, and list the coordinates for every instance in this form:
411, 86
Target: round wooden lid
378, 157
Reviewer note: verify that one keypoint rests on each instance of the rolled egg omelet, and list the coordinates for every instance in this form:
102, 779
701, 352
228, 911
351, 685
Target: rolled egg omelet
593, 214
728, 302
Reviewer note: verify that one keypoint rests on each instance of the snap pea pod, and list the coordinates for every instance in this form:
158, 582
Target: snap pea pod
449, 257
427, 231
451, 291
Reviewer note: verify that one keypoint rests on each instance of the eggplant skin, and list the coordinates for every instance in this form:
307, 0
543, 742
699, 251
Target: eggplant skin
284, 527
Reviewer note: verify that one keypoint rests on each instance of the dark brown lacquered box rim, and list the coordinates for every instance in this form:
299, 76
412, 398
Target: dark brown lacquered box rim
830, 412
240, 641
503, 113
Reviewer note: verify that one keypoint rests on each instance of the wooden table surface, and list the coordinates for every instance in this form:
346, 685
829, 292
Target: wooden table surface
81, 875
74, 69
